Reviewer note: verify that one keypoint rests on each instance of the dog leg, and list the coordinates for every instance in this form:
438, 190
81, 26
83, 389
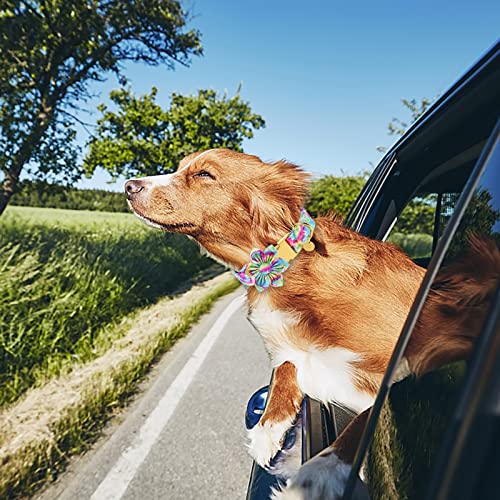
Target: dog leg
282, 406
324, 476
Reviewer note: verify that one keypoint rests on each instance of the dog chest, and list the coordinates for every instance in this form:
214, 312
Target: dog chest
326, 374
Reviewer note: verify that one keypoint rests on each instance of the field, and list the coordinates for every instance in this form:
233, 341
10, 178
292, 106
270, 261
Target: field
68, 277
417, 245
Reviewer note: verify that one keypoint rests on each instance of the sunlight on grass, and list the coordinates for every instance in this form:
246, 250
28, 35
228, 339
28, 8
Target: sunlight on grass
66, 275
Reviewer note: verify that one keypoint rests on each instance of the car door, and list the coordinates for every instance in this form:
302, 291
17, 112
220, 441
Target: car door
447, 470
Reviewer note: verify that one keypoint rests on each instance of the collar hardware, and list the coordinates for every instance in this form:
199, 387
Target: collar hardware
267, 266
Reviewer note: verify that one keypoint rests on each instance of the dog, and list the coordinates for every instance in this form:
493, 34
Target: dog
328, 302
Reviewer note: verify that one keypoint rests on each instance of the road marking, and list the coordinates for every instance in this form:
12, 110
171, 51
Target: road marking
118, 478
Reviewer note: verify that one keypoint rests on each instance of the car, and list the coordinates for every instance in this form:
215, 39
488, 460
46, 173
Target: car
437, 437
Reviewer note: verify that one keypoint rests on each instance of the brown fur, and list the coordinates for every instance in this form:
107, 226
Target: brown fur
451, 319
351, 292
284, 393
455, 308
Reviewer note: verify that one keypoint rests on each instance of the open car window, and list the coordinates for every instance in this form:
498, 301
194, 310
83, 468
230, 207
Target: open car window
415, 217
450, 313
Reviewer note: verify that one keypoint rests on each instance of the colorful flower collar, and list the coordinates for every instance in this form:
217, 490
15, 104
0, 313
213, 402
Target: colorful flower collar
267, 266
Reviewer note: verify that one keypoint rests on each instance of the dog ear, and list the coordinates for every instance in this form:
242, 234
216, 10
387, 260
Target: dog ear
293, 183
261, 215
275, 199
319, 241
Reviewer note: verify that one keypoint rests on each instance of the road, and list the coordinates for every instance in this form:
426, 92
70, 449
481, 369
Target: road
183, 436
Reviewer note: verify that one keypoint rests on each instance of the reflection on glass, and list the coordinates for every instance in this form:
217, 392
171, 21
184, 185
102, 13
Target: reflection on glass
419, 411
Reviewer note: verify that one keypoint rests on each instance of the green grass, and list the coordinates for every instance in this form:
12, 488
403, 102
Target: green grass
27, 461
67, 275
417, 246
80, 220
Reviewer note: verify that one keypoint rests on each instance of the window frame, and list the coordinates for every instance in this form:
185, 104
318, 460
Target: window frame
435, 264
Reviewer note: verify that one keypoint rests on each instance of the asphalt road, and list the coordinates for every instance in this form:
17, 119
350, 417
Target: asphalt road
183, 436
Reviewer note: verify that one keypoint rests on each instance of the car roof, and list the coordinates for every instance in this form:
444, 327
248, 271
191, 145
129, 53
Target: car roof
454, 129
477, 86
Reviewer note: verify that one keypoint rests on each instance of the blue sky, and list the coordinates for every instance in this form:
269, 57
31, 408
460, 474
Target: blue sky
327, 76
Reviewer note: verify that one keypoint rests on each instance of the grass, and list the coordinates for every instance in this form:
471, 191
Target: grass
417, 246
67, 277
43, 429
81, 220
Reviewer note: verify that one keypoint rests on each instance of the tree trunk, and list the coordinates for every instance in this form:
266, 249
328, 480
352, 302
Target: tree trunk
5, 193
24, 153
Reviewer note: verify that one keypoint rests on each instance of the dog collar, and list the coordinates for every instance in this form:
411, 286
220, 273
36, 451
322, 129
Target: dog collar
267, 266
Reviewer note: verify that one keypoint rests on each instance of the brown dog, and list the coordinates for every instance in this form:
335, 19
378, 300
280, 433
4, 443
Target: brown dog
331, 327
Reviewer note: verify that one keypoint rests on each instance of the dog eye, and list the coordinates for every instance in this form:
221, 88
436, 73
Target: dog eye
203, 173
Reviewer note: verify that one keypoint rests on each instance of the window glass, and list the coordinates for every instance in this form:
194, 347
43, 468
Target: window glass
421, 223
482, 217
414, 228
420, 409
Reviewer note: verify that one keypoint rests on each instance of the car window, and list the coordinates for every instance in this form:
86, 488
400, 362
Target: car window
421, 223
416, 222
420, 411
418, 197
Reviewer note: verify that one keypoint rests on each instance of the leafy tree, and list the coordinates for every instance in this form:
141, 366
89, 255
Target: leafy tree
416, 108
334, 194
143, 138
417, 216
51, 50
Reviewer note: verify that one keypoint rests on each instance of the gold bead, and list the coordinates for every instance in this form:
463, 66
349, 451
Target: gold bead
308, 246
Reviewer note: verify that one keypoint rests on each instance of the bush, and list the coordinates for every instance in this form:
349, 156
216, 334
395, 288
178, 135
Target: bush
334, 194
44, 194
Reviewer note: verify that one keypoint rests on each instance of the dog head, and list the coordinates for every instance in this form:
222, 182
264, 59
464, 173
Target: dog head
229, 202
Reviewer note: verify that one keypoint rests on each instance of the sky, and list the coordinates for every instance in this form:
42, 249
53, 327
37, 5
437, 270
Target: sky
327, 76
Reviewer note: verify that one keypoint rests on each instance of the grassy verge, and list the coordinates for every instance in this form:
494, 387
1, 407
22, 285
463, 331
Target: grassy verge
67, 277
416, 245
49, 423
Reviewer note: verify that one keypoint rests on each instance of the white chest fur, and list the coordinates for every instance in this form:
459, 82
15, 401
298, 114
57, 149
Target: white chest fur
326, 375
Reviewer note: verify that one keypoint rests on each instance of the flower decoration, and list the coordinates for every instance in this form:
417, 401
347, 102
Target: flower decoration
297, 236
266, 269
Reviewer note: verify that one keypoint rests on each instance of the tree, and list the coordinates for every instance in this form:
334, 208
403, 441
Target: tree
51, 50
334, 194
416, 108
141, 138
418, 216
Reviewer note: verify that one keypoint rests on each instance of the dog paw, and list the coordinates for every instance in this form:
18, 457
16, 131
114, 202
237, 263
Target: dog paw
266, 440
322, 478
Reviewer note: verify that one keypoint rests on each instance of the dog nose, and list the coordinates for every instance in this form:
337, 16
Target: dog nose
133, 187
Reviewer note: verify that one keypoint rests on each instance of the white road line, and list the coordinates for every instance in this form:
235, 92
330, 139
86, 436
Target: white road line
118, 478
